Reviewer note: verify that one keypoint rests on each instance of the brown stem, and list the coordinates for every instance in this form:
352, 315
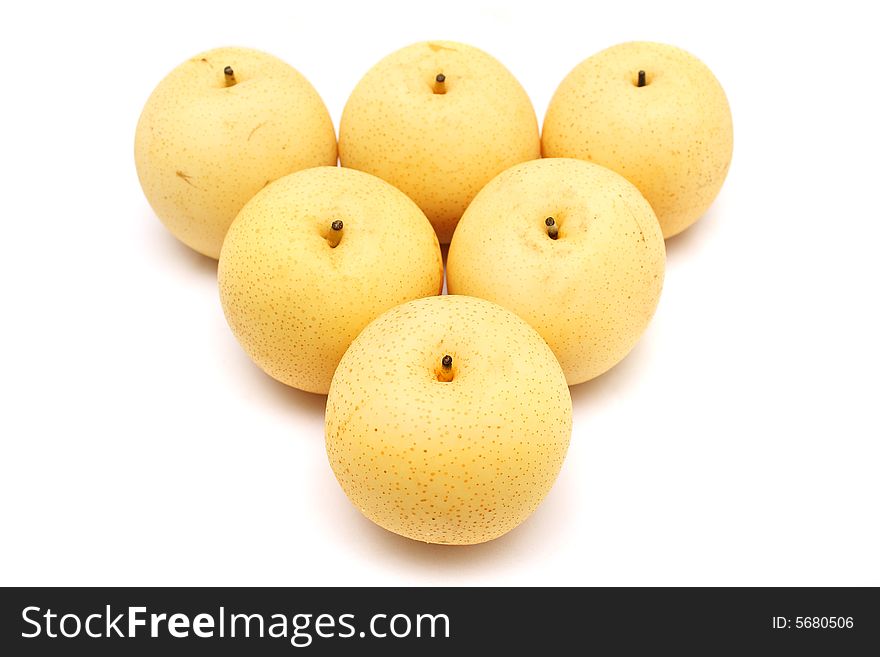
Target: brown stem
230, 76
445, 373
440, 84
335, 235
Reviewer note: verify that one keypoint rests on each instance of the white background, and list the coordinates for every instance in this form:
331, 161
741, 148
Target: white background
737, 444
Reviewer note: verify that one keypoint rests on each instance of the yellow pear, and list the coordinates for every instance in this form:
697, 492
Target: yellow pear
219, 128
656, 115
438, 120
448, 420
312, 259
572, 248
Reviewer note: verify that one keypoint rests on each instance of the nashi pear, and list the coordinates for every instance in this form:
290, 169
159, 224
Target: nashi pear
672, 137
312, 259
573, 249
448, 420
218, 129
438, 120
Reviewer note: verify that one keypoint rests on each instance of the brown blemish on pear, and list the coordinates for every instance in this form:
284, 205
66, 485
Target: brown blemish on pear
186, 178
436, 47
257, 127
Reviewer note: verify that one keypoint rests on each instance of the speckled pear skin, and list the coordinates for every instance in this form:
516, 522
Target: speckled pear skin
672, 138
592, 291
439, 149
294, 302
203, 149
457, 462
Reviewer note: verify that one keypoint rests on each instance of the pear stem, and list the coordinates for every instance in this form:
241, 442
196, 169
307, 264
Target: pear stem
642, 82
445, 373
440, 84
335, 235
230, 76
552, 228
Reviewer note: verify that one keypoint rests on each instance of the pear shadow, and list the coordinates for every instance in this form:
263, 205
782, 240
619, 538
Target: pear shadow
444, 255
310, 402
613, 383
524, 542
430, 556
688, 241
163, 247
256, 384
433, 559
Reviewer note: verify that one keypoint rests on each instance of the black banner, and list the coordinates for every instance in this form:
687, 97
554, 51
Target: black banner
419, 621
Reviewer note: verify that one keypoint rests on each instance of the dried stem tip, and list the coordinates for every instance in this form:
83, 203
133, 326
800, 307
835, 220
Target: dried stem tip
335, 235
552, 228
642, 79
440, 84
230, 76
445, 373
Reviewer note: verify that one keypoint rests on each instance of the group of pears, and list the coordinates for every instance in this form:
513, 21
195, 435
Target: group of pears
448, 416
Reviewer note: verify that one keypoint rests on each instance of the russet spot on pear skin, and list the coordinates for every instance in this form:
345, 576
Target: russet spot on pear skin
572, 248
312, 259
448, 420
438, 120
219, 128
656, 115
